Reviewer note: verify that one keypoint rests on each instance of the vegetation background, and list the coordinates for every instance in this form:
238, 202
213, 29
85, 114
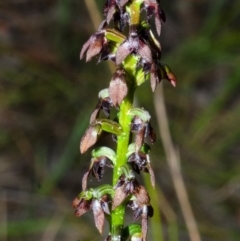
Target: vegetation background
47, 95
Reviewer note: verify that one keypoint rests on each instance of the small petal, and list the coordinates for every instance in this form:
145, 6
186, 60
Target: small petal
105, 204
98, 167
84, 48
76, 202
142, 196
90, 137
95, 47
84, 181
98, 215
169, 75
119, 196
151, 173
82, 207
123, 2
151, 133
154, 79
145, 52
158, 24
103, 104
122, 52
140, 137
95, 113
109, 10
137, 213
118, 88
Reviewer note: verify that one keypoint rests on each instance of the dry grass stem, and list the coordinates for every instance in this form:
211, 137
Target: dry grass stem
173, 160
53, 227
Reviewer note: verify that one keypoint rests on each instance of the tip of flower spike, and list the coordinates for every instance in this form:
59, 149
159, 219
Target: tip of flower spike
173, 83
169, 75
172, 79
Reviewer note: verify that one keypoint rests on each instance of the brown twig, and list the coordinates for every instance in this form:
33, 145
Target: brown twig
53, 227
173, 160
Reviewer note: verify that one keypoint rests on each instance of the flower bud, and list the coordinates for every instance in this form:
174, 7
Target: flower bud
118, 88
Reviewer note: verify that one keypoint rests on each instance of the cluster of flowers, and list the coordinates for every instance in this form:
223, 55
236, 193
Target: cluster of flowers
137, 57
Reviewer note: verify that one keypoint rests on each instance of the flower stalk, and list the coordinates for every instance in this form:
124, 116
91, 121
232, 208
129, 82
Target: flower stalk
137, 58
117, 217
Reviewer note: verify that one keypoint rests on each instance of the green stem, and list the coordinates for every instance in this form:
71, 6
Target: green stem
117, 215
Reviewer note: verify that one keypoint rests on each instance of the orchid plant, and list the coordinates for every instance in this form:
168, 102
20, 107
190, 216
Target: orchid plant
126, 38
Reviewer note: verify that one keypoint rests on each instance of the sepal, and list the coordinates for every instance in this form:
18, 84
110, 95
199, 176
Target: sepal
96, 199
140, 160
95, 129
133, 45
118, 88
152, 7
112, 6
140, 204
90, 137
169, 75
104, 104
101, 157
125, 186
95, 43
141, 126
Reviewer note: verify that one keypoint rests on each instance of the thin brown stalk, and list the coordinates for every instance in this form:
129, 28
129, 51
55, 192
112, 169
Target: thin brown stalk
53, 227
3, 216
173, 160
93, 12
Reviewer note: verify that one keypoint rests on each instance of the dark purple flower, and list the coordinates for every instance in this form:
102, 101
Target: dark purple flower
95, 201
111, 7
133, 45
96, 169
103, 104
118, 88
90, 137
95, 43
157, 72
140, 204
125, 186
152, 7
142, 130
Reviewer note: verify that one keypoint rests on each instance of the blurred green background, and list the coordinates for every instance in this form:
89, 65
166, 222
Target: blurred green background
47, 95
